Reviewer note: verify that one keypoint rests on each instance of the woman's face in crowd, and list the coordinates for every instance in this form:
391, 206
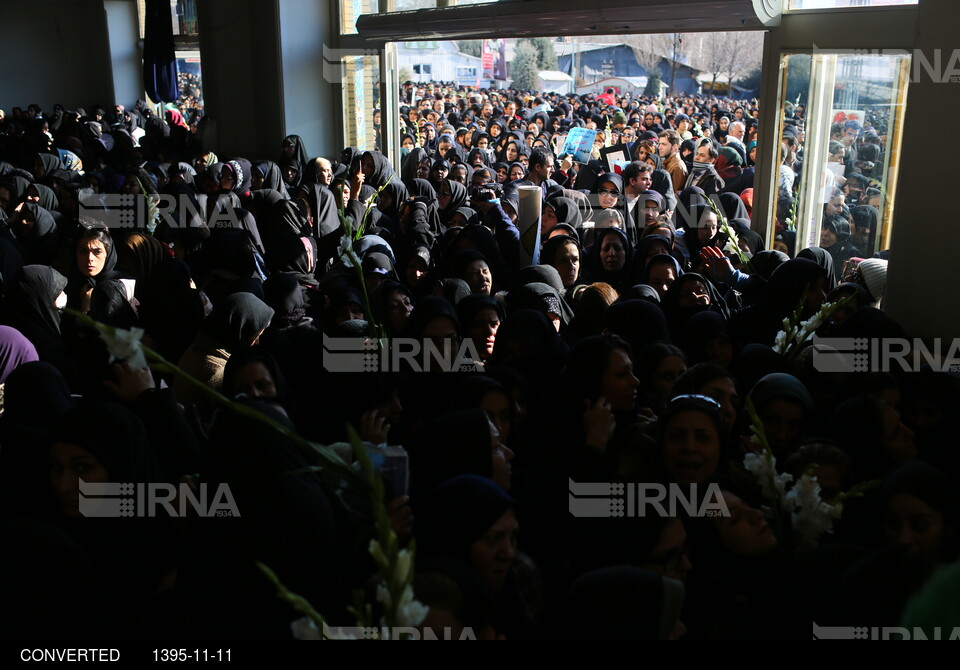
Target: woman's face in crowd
5, 196
898, 439
693, 293
349, 312
367, 166
516, 172
745, 532
608, 194
483, 331
67, 463
416, 271
91, 257
492, 555
501, 175
423, 170
691, 447
912, 523
478, 277
618, 384
227, 178
613, 254
499, 409
827, 238
783, 423
708, 228
440, 173
667, 373
255, 380
511, 152
256, 179
479, 178
660, 277
459, 174
399, 309
131, 186
669, 556
548, 218
567, 263
724, 392
502, 455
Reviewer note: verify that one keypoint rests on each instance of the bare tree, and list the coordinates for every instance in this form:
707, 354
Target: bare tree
650, 51
744, 55
716, 56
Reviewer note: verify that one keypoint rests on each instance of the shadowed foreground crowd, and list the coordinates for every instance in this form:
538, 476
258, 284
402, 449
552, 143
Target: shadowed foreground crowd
626, 355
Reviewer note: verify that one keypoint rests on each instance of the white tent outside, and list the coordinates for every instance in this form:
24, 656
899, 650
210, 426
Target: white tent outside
555, 81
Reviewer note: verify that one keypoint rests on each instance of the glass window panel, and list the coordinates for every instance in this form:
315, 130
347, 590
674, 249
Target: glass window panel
832, 4
190, 79
361, 95
841, 124
351, 10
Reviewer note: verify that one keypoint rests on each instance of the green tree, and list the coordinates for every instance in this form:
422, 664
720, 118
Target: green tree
652, 89
470, 47
750, 80
525, 66
546, 56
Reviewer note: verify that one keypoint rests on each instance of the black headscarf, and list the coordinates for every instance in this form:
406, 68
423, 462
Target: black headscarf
411, 164
237, 319
29, 307
639, 322
541, 298
627, 602
300, 154
453, 444
382, 170
822, 258
458, 513
566, 210
458, 199
272, 177
595, 271
116, 436
39, 241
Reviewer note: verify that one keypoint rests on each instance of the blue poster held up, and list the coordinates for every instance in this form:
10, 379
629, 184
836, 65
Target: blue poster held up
579, 144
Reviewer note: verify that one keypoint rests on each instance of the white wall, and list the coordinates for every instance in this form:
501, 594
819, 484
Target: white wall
54, 51
127, 61
309, 103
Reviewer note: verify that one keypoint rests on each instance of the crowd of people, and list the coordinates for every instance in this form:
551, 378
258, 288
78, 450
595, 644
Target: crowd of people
629, 354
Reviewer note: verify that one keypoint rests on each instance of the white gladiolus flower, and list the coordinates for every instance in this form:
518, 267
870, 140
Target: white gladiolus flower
383, 596
305, 629
404, 565
124, 345
411, 612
